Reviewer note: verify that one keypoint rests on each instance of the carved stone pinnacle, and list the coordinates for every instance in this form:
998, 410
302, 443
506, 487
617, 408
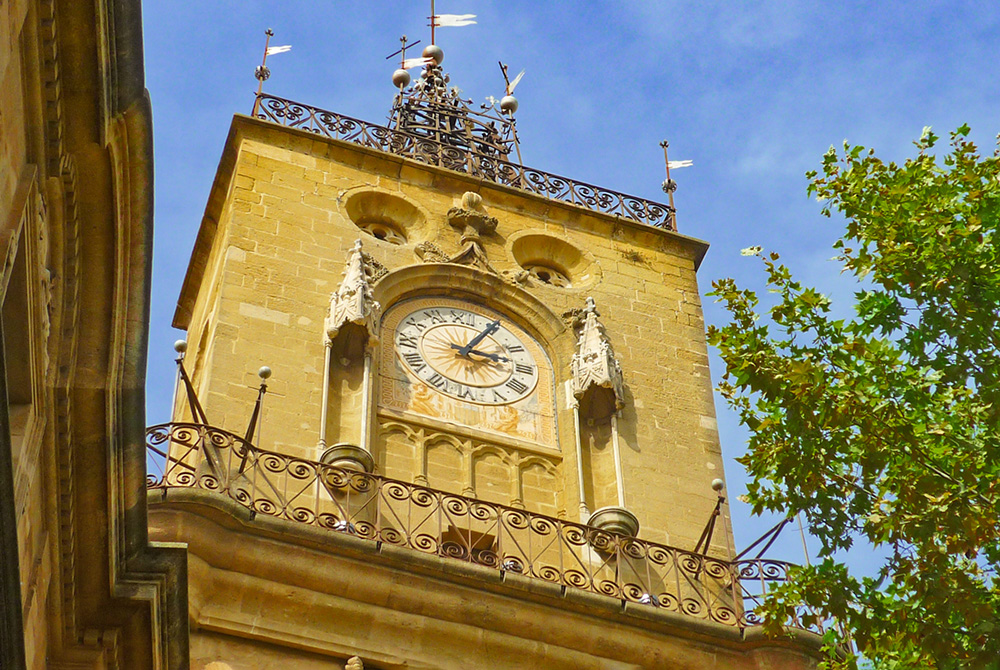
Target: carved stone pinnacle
353, 302
594, 364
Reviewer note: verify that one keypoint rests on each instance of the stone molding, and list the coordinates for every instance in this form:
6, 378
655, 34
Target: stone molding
95, 175
364, 576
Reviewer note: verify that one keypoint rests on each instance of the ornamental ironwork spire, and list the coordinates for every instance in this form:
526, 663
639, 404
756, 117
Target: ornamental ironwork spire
439, 121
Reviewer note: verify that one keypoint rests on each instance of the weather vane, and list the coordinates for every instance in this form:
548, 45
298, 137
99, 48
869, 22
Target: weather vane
448, 20
262, 72
508, 104
669, 185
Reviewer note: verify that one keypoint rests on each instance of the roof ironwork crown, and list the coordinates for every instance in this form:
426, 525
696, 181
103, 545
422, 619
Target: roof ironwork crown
433, 110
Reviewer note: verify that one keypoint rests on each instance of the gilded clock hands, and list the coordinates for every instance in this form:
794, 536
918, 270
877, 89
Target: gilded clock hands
488, 330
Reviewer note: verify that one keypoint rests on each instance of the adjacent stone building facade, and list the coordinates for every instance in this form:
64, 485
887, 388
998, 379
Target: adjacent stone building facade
80, 585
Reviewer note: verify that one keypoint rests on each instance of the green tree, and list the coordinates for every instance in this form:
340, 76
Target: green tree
883, 427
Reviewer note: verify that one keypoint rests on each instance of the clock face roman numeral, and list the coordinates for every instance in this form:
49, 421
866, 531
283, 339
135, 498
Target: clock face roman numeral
522, 369
413, 323
515, 348
405, 340
417, 363
464, 318
516, 385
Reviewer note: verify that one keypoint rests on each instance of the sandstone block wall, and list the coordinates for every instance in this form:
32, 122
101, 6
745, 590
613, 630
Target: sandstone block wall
284, 228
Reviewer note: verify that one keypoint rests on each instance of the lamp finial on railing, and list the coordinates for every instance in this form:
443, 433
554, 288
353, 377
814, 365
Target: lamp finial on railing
264, 373
706, 535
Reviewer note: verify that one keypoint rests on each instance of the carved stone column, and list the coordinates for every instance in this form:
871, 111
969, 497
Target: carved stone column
599, 390
352, 326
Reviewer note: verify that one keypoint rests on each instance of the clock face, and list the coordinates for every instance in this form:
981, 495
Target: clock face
466, 355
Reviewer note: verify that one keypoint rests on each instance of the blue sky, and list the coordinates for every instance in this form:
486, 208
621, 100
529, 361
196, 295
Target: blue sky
753, 93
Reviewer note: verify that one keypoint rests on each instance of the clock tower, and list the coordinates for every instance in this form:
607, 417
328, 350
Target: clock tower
484, 433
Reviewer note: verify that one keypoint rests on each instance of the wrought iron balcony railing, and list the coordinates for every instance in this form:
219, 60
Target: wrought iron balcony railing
478, 164
508, 539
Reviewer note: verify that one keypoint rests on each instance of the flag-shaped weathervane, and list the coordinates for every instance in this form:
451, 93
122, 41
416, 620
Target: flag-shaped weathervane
262, 72
448, 20
669, 185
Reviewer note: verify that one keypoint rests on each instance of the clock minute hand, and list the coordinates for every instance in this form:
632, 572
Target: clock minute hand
488, 330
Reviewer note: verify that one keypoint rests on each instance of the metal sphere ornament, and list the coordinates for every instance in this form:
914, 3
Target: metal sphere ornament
400, 78
180, 346
508, 104
718, 485
435, 52
264, 372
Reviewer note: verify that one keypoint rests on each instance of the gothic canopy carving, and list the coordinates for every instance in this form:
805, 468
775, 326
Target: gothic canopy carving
353, 303
597, 376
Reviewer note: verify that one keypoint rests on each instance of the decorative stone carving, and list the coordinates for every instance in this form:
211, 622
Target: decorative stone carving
517, 277
354, 663
472, 218
474, 222
429, 252
353, 302
595, 365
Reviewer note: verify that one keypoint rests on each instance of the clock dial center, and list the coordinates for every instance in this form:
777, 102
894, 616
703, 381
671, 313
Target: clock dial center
440, 347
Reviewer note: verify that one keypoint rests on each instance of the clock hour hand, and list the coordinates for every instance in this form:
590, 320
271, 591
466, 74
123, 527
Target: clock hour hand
488, 330
496, 358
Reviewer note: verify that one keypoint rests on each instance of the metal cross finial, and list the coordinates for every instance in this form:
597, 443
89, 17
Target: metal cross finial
433, 22
402, 50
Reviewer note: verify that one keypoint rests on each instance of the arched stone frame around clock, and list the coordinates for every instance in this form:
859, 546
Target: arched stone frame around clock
465, 283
